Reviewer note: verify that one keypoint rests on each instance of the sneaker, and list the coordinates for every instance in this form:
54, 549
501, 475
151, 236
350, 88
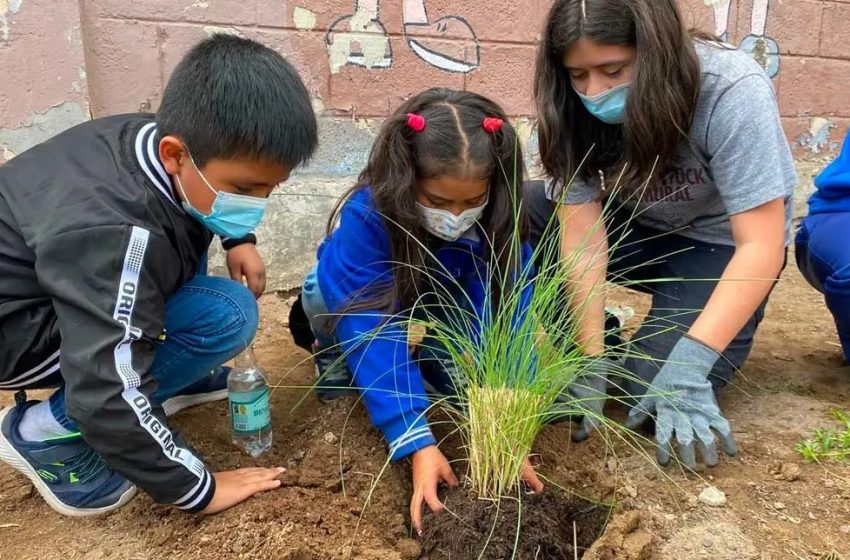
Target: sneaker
333, 378
70, 476
208, 389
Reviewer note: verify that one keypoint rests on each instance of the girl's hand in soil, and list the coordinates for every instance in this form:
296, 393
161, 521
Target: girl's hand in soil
430, 467
243, 261
234, 487
529, 476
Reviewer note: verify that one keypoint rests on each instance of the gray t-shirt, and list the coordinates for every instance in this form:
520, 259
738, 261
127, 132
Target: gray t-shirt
736, 158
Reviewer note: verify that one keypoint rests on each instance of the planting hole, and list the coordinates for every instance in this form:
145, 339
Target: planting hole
545, 521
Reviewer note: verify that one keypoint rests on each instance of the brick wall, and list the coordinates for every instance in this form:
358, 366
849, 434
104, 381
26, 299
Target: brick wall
60, 59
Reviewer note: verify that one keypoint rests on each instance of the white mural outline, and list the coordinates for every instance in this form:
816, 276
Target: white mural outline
763, 49
361, 39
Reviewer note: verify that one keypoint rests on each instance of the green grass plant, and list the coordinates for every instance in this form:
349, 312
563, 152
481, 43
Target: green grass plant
828, 443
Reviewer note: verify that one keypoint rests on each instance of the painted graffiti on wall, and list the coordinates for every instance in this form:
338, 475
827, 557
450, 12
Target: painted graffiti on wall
763, 49
361, 39
7, 7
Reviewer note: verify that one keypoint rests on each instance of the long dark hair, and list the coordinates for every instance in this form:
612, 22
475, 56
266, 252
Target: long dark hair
661, 103
453, 143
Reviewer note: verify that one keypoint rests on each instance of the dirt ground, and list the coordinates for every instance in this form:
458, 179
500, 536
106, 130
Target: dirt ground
777, 505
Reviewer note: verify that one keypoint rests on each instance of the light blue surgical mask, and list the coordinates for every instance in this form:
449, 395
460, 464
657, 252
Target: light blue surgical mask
609, 106
232, 215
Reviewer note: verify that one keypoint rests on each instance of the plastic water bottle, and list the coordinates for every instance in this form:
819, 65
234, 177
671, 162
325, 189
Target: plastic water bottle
248, 396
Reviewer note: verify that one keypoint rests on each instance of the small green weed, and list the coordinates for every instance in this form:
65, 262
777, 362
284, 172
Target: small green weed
828, 443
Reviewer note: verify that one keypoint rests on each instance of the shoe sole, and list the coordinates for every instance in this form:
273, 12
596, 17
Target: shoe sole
176, 404
11, 457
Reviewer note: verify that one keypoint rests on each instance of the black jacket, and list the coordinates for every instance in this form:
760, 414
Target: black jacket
92, 243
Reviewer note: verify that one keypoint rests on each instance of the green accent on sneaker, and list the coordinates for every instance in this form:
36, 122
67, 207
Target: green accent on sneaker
72, 478
66, 436
47, 475
57, 464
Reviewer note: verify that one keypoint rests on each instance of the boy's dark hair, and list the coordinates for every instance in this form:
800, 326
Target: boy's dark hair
453, 143
232, 97
661, 103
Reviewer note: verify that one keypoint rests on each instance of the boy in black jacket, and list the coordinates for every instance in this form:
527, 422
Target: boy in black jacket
103, 235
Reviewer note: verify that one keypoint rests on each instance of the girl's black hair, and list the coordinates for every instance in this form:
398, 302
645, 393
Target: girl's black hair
453, 143
661, 104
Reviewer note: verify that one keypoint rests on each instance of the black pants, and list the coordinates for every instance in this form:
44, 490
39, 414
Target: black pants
640, 255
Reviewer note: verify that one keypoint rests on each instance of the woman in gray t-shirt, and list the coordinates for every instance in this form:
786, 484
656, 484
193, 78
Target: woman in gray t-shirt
669, 171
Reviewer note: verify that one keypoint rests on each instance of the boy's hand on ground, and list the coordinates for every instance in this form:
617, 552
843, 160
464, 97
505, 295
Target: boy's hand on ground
430, 468
244, 261
234, 487
529, 476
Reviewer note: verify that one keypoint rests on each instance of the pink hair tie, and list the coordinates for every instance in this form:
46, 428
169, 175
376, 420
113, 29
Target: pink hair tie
416, 122
493, 124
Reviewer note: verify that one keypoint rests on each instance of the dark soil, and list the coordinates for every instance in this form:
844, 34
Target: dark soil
546, 522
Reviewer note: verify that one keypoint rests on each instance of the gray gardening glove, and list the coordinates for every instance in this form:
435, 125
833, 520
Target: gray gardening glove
683, 402
589, 392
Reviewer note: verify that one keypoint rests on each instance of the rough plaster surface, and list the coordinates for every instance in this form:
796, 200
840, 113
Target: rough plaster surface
41, 127
357, 59
294, 226
297, 218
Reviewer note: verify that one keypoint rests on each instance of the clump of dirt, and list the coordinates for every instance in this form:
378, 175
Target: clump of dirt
629, 536
483, 529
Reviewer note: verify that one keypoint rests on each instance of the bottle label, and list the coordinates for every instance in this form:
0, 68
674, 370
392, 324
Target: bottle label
249, 411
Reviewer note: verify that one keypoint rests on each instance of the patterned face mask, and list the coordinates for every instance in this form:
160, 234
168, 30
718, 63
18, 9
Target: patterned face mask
446, 225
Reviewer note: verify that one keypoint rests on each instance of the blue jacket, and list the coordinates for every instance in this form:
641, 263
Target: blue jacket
357, 256
833, 185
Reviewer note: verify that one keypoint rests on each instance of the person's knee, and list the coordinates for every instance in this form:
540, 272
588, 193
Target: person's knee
230, 313
838, 283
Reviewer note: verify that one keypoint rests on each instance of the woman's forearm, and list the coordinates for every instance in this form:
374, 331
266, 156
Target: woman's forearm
745, 284
759, 254
584, 251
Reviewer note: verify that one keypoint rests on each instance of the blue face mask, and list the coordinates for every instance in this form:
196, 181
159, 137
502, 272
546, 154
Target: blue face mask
232, 215
609, 106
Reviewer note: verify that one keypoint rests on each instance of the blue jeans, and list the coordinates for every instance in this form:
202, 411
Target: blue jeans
823, 257
321, 322
208, 321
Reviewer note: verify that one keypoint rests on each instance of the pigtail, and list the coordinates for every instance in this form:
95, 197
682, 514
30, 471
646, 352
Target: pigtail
391, 174
504, 220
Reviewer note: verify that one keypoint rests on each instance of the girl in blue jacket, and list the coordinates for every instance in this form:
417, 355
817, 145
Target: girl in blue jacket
823, 242
442, 184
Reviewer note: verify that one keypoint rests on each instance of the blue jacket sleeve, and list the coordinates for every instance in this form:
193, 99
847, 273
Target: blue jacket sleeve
834, 181
354, 260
